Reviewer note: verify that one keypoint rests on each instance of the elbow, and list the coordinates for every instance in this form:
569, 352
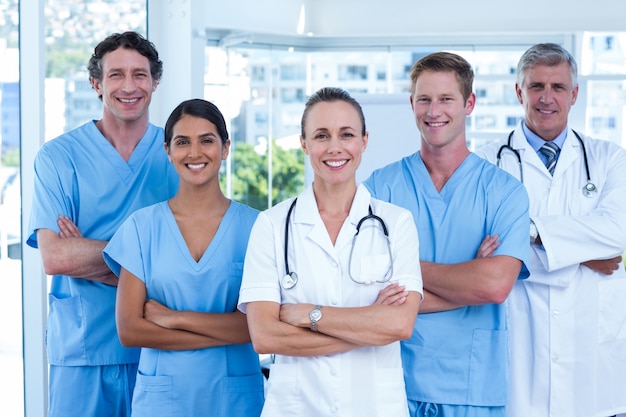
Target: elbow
405, 333
51, 264
262, 345
128, 337
497, 294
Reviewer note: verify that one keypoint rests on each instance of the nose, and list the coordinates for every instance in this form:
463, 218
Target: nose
433, 109
129, 84
194, 149
334, 144
546, 96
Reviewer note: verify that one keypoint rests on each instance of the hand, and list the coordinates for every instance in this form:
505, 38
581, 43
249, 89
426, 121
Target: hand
67, 228
392, 295
158, 314
488, 246
296, 314
604, 266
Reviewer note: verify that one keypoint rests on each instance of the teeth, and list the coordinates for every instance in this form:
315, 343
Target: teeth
196, 166
336, 164
132, 100
545, 111
436, 124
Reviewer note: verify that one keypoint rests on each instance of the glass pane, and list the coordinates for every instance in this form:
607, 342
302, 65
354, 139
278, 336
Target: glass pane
11, 377
262, 94
603, 53
606, 107
73, 28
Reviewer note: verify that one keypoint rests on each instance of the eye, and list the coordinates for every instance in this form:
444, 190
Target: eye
321, 136
347, 135
181, 142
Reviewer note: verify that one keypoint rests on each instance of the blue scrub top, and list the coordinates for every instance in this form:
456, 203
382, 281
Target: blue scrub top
458, 356
216, 381
81, 176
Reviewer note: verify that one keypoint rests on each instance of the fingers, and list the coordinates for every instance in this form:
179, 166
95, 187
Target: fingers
488, 246
67, 228
393, 294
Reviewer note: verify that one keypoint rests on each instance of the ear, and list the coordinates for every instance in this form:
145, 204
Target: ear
95, 84
469, 104
225, 150
365, 140
574, 95
167, 151
303, 145
518, 92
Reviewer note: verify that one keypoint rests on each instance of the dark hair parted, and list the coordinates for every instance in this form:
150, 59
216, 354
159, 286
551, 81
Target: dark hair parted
548, 54
127, 40
196, 108
445, 62
327, 95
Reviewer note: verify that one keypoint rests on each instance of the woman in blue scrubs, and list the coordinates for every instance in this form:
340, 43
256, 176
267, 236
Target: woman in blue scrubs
179, 264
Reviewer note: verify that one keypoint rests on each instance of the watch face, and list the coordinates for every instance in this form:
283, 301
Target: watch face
315, 315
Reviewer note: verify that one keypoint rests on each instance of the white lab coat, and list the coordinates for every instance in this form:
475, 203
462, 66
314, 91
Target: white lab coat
567, 322
367, 381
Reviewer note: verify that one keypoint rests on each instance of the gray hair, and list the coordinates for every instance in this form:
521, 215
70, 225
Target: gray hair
549, 54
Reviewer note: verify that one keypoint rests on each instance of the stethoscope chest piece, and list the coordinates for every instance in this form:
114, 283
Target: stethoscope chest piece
289, 280
590, 190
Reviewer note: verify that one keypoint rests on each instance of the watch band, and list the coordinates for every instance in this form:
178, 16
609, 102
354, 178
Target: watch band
314, 316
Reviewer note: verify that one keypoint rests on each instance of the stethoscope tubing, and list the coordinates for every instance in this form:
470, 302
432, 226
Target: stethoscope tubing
589, 189
291, 278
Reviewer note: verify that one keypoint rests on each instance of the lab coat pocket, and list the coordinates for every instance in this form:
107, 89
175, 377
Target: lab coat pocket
241, 396
373, 268
153, 396
66, 329
612, 314
282, 391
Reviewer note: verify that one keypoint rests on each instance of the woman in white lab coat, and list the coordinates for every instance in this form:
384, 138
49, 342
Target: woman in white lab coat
568, 319
335, 325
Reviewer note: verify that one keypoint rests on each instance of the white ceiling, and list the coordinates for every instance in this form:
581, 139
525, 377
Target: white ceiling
416, 17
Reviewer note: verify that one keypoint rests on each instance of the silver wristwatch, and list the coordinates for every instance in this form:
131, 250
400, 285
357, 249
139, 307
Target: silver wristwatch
315, 315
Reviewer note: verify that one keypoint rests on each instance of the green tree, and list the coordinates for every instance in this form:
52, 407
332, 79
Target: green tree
249, 175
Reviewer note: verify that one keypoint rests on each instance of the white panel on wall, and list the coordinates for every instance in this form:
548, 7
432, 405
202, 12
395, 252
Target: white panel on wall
392, 132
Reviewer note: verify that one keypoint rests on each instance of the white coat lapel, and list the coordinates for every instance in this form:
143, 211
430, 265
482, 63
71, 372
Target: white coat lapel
569, 153
308, 214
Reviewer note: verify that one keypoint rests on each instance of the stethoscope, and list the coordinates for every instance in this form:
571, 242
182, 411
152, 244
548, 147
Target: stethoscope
589, 189
291, 278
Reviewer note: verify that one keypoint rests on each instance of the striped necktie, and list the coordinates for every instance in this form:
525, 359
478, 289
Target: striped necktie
550, 150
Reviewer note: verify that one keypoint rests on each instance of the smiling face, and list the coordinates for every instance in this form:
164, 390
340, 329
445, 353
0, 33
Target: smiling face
196, 150
439, 108
126, 86
547, 93
334, 141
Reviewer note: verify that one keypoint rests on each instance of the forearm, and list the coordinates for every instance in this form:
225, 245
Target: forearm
433, 303
77, 257
475, 282
270, 335
138, 332
230, 328
374, 325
